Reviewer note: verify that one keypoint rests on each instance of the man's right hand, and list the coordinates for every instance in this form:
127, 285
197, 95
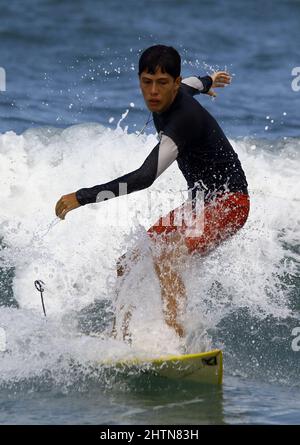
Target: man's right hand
65, 204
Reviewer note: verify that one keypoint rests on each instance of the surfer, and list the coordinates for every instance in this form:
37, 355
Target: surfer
190, 135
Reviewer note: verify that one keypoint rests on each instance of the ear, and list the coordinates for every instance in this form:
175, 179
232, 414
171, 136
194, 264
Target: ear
178, 82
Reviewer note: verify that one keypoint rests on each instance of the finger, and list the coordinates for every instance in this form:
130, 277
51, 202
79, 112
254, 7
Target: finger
60, 215
211, 93
62, 210
58, 208
224, 73
220, 82
60, 204
223, 79
218, 85
63, 213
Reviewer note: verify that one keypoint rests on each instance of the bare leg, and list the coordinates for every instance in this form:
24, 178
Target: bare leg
173, 291
173, 294
123, 267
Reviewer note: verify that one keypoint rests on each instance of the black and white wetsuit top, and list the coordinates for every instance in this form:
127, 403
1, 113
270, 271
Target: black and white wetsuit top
191, 136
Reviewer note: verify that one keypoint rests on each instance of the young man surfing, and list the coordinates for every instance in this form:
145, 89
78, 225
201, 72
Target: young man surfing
192, 137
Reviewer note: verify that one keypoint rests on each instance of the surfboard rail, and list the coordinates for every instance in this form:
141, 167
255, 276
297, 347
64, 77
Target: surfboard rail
203, 367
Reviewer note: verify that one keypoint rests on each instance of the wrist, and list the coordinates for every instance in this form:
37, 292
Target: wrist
81, 197
207, 82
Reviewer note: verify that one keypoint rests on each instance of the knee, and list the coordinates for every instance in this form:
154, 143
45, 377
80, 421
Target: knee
121, 265
126, 261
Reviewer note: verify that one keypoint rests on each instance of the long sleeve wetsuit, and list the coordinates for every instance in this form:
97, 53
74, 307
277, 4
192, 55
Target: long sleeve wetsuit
191, 136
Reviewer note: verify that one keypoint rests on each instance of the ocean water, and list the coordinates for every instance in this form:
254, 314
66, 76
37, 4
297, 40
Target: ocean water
69, 118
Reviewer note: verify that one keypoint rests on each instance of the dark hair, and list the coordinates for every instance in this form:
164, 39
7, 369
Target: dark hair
160, 56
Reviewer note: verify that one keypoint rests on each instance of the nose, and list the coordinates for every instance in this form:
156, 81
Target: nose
153, 89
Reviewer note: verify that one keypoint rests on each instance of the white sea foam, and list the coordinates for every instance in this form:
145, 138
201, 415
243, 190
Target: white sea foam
76, 257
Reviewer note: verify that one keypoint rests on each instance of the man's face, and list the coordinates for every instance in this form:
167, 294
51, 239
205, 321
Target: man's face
159, 90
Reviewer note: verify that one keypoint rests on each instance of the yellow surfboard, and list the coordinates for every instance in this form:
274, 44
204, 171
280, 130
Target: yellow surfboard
203, 367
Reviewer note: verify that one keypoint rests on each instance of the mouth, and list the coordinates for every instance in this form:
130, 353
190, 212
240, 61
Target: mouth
154, 102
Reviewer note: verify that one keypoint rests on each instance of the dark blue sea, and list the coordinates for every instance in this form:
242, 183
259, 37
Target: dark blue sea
70, 116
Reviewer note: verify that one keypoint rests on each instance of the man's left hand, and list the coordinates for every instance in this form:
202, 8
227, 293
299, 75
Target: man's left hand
65, 204
220, 80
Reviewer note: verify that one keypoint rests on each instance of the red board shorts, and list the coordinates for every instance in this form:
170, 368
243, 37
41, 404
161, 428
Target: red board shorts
204, 230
